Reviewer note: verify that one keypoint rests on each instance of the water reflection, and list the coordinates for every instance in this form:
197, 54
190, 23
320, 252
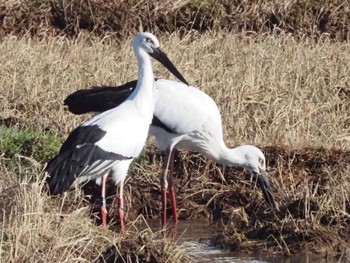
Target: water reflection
213, 255
200, 232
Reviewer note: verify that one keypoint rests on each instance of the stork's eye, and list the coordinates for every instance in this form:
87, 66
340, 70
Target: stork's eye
149, 40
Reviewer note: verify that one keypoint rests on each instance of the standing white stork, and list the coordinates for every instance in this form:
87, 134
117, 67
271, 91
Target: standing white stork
185, 118
113, 138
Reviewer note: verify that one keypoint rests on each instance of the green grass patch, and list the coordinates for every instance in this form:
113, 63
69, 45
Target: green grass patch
36, 144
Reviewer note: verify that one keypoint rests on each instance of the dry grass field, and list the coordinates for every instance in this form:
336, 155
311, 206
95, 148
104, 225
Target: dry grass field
289, 97
124, 18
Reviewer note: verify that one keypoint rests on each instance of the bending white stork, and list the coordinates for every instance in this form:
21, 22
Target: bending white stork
113, 138
185, 118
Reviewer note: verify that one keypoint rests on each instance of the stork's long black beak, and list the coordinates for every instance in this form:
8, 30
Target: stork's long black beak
264, 183
159, 55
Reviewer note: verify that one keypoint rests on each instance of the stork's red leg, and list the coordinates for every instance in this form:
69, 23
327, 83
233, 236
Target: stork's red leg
121, 208
103, 195
171, 187
172, 195
164, 184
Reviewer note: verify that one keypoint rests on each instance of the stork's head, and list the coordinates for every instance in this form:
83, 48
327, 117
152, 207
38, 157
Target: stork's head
148, 42
254, 162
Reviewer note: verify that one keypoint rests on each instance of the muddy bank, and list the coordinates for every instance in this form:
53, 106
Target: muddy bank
311, 187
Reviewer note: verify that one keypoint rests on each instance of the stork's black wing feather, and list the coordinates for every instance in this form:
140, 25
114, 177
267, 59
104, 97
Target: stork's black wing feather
69, 165
98, 99
102, 98
79, 156
82, 135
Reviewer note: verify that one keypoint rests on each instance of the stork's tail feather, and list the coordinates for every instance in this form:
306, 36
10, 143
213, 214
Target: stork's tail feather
60, 173
78, 165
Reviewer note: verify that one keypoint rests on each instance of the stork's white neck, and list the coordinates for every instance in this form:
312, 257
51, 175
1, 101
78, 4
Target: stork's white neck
231, 157
220, 153
143, 95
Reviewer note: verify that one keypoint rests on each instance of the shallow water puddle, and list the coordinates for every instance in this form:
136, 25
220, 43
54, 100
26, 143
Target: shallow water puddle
200, 232
214, 255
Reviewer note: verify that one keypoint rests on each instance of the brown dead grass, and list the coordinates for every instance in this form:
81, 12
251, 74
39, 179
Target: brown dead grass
271, 91
35, 228
289, 97
38, 228
124, 18
311, 188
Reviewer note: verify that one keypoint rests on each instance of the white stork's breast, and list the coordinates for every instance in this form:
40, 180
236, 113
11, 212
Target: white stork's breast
126, 131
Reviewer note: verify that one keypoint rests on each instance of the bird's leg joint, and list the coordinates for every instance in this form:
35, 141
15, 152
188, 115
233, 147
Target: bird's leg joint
120, 204
164, 182
164, 179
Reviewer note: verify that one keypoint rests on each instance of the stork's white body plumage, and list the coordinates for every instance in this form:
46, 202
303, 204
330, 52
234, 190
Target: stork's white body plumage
191, 115
135, 121
195, 123
113, 138
127, 141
